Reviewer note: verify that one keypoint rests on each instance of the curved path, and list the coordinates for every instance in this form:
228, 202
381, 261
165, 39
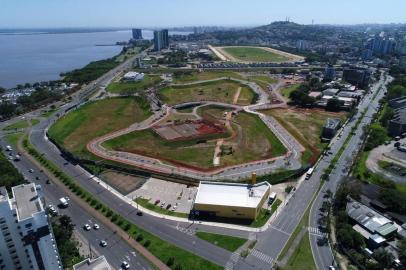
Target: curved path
382, 153
290, 160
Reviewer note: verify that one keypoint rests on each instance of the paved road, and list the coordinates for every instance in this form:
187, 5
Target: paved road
323, 254
116, 251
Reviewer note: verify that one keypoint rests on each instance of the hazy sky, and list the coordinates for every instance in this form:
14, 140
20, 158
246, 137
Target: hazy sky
158, 13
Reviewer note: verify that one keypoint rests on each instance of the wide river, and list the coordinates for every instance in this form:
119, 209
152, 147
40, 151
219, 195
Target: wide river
35, 57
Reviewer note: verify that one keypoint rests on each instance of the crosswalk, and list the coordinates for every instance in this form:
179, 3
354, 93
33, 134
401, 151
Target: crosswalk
185, 230
262, 256
316, 231
232, 261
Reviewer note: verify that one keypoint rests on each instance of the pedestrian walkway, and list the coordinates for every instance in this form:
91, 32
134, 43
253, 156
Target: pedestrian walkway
262, 256
316, 231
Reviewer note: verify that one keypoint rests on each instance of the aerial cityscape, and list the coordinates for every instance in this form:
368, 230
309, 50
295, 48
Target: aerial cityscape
183, 135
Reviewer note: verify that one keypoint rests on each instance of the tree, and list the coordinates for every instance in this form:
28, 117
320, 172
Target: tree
7, 109
384, 258
334, 105
377, 136
2, 90
402, 252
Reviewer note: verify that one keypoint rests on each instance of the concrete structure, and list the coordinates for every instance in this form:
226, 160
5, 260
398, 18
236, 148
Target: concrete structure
99, 263
242, 201
330, 91
26, 238
161, 40
397, 125
371, 220
331, 128
137, 33
329, 73
357, 76
133, 76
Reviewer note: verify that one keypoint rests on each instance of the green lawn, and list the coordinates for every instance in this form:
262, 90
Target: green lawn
302, 257
254, 141
221, 91
13, 138
17, 125
126, 88
148, 143
230, 243
253, 54
48, 113
191, 76
285, 91
146, 204
34, 121
74, 130
263, 81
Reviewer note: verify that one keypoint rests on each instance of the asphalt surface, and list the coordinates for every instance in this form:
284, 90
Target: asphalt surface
116, 251
322, 254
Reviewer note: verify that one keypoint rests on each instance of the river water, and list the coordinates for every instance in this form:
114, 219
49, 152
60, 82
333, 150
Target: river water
33, 57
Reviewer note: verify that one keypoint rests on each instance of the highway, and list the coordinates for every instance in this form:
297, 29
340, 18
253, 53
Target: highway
323, 255
271, 242
116, 250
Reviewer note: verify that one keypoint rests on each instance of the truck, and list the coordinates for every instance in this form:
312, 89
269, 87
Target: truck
271, 198
309, 173
63, 202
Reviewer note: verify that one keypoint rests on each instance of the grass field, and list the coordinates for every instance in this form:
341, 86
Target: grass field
285, 91
306, 126
230, 243
253, 54
302, 257
17, 125
77, 128
221, 91
201, 76
127, 88
253, 141
13, 138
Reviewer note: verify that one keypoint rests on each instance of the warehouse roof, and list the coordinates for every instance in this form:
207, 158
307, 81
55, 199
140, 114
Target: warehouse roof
370, 219
231, 194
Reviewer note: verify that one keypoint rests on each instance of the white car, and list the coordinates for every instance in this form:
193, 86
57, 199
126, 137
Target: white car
125, 265
87, 227
96, 226
103, 243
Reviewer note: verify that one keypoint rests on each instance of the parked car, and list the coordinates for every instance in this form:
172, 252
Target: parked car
103, 243
96, 226
86, 227
125, 265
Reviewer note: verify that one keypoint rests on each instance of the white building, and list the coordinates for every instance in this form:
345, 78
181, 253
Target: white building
231, 200
100, 263
133, 76
26, 238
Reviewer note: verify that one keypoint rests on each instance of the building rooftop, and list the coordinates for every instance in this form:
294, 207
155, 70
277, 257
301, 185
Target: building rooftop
231, 194
100, 263
26, 200
332, 123
370, 219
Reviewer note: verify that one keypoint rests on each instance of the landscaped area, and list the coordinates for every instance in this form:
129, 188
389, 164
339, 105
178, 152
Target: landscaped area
219, 91
249, 139
17, 125
230, 243
285, 91
127, 88
74, 130
191, 76
306, 126
253, 54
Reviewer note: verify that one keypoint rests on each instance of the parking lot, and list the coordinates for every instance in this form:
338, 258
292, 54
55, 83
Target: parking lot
167, 193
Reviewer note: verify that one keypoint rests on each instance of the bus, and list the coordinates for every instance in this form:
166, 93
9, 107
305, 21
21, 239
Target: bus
309, 173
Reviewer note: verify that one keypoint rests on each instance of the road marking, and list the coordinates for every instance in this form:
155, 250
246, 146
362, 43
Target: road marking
262, 256
316, 231
185, 230
279, 230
